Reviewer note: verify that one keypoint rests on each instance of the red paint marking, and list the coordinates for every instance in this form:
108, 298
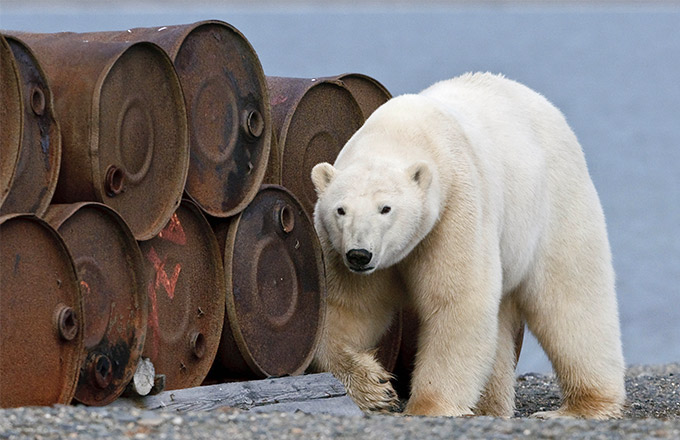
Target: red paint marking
279, 99
85, 288
162, 279
174, 231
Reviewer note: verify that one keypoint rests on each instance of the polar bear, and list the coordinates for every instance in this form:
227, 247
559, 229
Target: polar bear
472, 203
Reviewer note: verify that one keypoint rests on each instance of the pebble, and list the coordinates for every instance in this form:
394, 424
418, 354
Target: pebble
653, 411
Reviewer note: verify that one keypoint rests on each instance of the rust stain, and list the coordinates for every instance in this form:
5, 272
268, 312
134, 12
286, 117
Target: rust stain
153, 319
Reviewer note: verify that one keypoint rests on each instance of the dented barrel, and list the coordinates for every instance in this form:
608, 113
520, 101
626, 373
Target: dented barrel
186, 288
276, 293
313, 119
11, 117
368, 92
41, 324
124, 127
30, 169
109, 265
227, 107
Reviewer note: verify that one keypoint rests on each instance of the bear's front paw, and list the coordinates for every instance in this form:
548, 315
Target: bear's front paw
368, 384
374, 395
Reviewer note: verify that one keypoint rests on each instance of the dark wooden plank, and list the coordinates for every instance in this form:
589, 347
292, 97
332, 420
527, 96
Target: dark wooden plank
247, 395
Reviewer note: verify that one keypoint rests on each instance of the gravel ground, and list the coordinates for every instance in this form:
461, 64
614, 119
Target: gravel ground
653, 411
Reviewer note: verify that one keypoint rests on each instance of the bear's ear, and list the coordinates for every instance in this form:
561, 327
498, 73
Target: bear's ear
421, 174
322, 175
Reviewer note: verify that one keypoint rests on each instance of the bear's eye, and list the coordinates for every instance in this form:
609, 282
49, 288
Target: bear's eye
341, 211
385, 209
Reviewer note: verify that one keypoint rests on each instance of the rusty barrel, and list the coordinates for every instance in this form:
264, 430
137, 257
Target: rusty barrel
30, 168
41, 325
109, 265
276, 292
11, 117
313, 119
123, 119
227, 107
368, 91
187, 292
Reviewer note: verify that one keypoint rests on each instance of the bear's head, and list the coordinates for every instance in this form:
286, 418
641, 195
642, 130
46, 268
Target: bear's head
373, 216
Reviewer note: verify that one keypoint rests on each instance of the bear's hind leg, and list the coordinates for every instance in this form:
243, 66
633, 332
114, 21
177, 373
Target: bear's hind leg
498, 397
571, 309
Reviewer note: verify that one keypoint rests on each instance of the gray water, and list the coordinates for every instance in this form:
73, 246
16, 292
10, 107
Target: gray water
614, 72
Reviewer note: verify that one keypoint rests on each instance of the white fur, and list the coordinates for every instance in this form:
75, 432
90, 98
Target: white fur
493, 220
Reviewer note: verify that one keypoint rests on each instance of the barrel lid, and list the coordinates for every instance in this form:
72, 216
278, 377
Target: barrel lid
109, 265
11, 117
229, 117
41, 324
141, 141
313, 126
186, 289
276, 294
34, 178
368, 92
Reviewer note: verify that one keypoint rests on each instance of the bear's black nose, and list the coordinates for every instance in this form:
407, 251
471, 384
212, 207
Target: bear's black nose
359, 257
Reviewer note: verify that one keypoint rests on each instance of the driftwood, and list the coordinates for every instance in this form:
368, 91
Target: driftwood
312, 393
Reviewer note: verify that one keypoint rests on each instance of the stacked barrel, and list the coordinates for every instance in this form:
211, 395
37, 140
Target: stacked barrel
155, 211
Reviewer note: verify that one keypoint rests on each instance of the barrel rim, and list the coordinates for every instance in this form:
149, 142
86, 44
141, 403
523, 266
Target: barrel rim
231, 313
176, 89
55, 137
20, 129
71, 384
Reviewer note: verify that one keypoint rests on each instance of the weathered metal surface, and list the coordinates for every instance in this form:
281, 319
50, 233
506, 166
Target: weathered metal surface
187, 293
368, 92
41, 324
388, 348
109, 265
11, 109
30, 174
313, 118
227, 107
124, 126
276, 293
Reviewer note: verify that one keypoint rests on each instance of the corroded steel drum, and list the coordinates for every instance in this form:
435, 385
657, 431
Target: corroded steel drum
313, 119
187, 293
11, 109
29, 174
109, 265
368, 92
228, 110
41, 324
276, 292
124, 126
